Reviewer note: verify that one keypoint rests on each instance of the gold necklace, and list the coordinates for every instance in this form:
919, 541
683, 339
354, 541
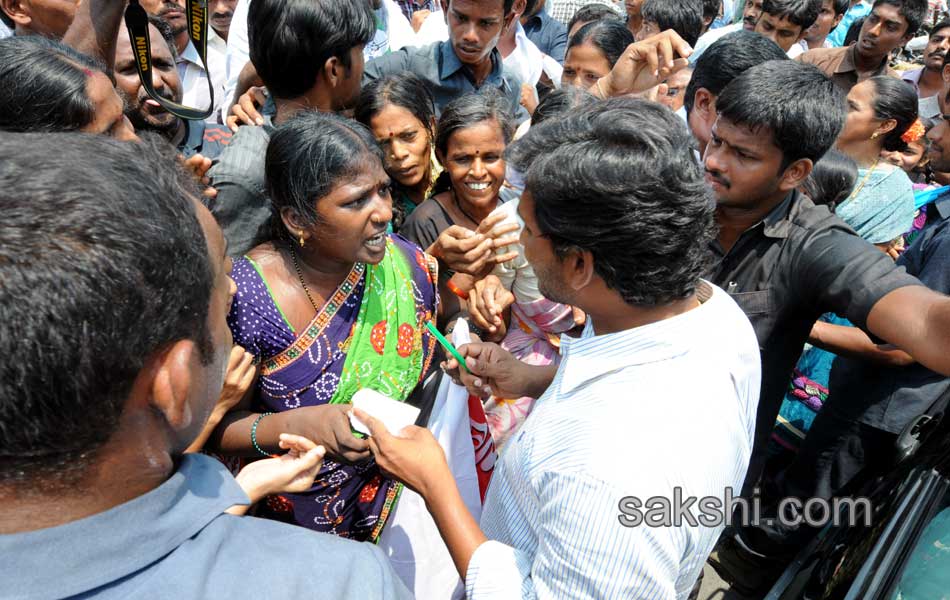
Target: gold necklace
863, 181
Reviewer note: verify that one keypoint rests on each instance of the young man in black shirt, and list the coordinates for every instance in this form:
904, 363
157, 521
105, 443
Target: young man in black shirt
786, 261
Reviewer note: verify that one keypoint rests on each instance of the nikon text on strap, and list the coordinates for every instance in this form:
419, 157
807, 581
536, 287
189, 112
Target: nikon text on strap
136, 21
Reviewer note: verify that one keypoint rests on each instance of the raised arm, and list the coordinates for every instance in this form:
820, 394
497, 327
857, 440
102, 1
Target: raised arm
95, 29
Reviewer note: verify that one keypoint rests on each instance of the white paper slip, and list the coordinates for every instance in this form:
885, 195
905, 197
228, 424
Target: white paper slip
393, 414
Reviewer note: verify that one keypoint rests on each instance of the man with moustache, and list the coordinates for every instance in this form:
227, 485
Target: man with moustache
928, 80
468, 61
750, 16
890, 25
145, 114
220, 13
191, 71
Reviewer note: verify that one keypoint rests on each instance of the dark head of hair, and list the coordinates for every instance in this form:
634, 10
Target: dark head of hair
840, 6
310, 155
685, 17
711, 9
803, 13
894, 99
590, 13
831, 180
945, 23
619, 180
5, 18
103, 263
854, 30
44, 85
726, 59
405, 90
507, 5
471, 109
609, 36
291, 40
913, 11
795, 103
560, 102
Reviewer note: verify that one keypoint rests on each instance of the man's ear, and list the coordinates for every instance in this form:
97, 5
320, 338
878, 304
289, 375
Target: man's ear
795, 174
172, 381
704, 102
577, 269
18, 11
334, 71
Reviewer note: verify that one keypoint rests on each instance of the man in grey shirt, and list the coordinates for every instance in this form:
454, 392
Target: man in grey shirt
468, 61
115, 292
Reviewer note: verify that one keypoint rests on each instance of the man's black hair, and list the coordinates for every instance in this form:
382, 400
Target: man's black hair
561, 102
290, 40
593, 12
803, 13
103, 264
711, 9
507, 5
619, 180
726, 59
685, 17
913, 11
840, 6
44, 85
795, 103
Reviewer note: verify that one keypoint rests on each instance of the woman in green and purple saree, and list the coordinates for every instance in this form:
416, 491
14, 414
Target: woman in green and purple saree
331, 306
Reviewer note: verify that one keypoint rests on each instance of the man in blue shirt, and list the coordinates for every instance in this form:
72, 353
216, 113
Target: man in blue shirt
466, 62
547, 33
115, 291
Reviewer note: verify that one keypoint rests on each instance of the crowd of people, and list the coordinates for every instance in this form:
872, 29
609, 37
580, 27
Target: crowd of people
692, 247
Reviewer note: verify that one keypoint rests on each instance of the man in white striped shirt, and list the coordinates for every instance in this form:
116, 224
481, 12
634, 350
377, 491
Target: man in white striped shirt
655, 400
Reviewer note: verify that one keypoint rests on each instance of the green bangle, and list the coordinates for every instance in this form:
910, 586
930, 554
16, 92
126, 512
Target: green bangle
254, 434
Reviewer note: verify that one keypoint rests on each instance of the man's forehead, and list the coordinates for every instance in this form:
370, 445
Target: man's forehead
746, 136
479, 8
888, 13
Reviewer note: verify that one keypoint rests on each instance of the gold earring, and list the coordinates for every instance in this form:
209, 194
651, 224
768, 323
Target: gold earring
301, 239
875, 135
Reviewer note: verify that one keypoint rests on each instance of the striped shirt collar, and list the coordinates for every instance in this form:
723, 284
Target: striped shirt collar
591, 356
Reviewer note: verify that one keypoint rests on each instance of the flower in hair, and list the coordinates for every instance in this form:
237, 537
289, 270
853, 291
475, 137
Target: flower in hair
914, 132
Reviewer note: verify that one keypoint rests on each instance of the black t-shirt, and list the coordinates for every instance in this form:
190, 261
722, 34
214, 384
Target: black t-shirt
798, 263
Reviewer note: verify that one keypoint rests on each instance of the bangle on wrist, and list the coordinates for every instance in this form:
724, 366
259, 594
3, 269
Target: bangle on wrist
257, 422
456, 290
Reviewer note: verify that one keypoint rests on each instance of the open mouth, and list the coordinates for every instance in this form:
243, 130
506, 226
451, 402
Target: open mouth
376, 242
477, 186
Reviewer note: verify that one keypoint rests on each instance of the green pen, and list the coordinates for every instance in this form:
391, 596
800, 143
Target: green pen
447, 345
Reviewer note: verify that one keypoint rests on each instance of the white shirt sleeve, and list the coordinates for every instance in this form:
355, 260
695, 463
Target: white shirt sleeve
583, 551
238, 54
